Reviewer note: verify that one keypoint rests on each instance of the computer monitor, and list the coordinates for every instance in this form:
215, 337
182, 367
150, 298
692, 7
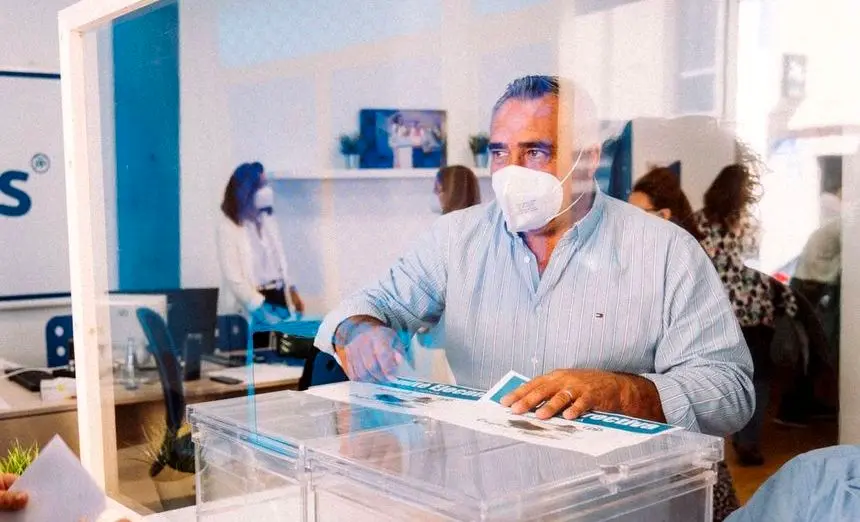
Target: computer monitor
192, 320
188, 310
125, 327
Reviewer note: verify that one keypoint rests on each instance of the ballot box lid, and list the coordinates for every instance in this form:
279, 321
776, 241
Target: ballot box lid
280, 423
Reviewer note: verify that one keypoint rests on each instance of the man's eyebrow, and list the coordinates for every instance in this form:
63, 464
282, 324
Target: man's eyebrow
544, 145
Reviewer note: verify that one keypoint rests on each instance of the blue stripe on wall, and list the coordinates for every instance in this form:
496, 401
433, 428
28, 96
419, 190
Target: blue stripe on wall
146, 94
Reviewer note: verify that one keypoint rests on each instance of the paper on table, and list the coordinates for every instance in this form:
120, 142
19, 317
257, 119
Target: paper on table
509, 383
263, 373
593, 433
60, 489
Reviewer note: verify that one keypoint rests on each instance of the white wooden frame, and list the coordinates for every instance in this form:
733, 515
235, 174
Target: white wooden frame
84, 175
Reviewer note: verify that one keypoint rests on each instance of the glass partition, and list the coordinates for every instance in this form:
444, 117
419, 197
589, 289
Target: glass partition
255, 165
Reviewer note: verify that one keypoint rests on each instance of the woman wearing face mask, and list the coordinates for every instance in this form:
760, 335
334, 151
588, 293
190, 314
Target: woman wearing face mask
456, 188
254, 274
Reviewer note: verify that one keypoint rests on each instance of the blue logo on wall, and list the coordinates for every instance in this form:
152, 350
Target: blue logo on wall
10, 187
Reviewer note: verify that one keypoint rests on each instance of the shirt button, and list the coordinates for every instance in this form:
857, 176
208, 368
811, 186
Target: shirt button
526, 259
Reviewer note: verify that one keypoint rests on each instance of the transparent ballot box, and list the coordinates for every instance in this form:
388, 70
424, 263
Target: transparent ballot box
434, 471
292, 456
249, 451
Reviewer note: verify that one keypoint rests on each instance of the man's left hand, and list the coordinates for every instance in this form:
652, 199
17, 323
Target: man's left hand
572, 391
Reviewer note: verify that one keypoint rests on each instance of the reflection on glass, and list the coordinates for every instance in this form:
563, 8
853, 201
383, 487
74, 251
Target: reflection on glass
215, 167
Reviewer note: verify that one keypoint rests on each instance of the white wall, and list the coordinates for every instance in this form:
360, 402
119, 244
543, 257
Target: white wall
258, 82
698, 142
768, 30
28, 35
269, 98
35, 254
34, 258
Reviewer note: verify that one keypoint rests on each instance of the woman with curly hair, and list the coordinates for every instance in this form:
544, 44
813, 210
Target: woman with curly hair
728, 235
659, 193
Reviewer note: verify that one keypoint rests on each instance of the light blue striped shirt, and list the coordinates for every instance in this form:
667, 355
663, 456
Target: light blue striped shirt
623, 291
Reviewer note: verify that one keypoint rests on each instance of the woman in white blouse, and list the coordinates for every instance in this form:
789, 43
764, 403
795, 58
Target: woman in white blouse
254, 277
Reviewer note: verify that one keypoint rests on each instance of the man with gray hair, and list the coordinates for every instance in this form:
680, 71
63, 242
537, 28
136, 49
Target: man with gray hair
608, 308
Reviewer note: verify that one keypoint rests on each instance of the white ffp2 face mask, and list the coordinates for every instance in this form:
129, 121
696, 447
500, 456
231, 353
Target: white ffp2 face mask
264, 198
530, 198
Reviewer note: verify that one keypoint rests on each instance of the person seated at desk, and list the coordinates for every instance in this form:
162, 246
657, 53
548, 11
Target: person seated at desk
255, 280
609, 308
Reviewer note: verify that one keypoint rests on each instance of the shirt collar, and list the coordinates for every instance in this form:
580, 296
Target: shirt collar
583, 229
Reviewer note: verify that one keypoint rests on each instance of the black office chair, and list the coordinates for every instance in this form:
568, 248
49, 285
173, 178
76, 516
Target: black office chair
320, 368
177, 450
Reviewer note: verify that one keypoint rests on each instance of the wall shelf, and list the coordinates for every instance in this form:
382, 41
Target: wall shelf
309, 174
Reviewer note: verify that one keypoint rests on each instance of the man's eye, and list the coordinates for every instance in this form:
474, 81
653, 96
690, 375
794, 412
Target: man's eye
537, 154
499, 153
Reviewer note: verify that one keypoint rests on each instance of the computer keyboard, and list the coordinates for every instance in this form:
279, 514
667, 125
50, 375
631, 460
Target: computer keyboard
239, 358
32, 379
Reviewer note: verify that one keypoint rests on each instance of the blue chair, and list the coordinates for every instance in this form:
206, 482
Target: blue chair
58, 332
176, 451
320, 368
232, 332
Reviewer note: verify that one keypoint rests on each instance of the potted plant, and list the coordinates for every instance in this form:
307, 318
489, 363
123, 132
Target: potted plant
18, 458
171, 465
351, 147
479, 144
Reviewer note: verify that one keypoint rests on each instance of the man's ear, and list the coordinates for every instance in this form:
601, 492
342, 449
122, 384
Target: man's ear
589, 161
665, 213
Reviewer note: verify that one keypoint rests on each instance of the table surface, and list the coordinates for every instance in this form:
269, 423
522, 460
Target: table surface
23, 403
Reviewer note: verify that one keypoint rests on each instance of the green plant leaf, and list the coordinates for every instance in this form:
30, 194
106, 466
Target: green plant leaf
18, 458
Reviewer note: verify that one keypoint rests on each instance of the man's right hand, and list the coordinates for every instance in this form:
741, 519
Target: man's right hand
368, 350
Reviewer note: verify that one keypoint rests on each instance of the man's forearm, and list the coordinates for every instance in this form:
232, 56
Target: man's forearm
639, 398
349, 327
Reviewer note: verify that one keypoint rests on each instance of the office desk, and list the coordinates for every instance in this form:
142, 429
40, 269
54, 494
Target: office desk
29, 419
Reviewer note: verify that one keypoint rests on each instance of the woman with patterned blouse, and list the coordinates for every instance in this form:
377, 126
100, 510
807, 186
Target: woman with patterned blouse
729, 237
659, 193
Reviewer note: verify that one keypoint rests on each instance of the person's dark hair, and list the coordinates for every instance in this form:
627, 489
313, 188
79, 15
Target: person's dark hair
238, 202
581, 109
459, 187
663, 188
532, 87
730, 196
